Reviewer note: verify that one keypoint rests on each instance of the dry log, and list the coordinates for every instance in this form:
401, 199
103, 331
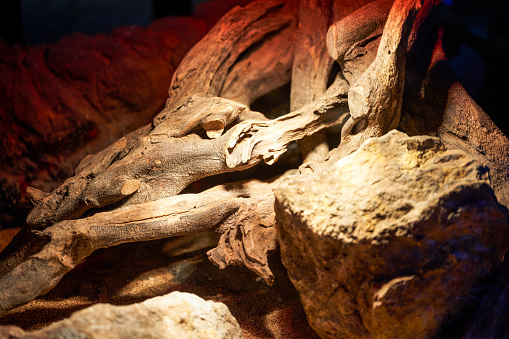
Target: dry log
70, 241
195, 113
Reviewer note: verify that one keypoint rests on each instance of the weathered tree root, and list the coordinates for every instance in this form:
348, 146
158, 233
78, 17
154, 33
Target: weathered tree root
132, 185
70, 241
161, 165
375, 98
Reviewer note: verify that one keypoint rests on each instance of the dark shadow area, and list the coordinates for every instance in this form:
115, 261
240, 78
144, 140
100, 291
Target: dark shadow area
162, 8
476, 41
30, 22
11, 26
275, 103
458, 324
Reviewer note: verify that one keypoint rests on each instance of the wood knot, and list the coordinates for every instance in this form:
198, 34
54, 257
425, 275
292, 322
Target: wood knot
130, 186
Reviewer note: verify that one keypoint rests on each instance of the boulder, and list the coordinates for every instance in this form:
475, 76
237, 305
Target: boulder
392, 240
175, 315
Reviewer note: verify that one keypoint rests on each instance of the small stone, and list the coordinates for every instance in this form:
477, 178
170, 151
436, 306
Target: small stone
175, 315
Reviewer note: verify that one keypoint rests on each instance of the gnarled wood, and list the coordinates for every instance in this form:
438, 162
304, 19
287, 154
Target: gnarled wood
375, 98
267, 140
70, 241
206, 66
164, 165
128, 191
160, 160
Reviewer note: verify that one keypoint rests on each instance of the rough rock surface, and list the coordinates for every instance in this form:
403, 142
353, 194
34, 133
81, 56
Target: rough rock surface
392, 240
175, 315
62, 101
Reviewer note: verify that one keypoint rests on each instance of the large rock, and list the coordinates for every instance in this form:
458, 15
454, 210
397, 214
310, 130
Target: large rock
392, 240
175, 315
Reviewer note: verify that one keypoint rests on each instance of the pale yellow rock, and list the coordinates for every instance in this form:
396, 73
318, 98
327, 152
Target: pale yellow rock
175, 315
393, 240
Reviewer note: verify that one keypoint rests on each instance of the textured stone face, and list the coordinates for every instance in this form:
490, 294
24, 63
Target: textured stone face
391, 241
175, 315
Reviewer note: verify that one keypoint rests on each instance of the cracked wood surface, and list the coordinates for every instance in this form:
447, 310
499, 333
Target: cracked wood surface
375, 98
70, 241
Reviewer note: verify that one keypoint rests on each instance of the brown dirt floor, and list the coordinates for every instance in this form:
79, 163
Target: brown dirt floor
134, 272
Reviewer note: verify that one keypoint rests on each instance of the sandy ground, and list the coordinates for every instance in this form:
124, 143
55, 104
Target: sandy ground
131, 273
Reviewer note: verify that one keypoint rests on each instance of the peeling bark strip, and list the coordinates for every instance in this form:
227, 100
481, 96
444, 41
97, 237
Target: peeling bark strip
128, 191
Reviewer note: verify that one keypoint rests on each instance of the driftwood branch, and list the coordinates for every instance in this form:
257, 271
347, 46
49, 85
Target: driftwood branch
161, 164
375, 98
144, 166
70, 241
129, 191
